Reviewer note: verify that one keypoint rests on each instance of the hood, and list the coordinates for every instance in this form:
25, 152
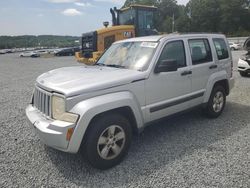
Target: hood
72, 81
246, 45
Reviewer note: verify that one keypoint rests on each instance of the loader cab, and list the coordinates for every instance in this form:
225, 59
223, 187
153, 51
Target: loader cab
132, 21
140, 16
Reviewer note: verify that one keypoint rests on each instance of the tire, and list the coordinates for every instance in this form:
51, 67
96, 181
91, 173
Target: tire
216, 103
243, 74
107, 134
232, 49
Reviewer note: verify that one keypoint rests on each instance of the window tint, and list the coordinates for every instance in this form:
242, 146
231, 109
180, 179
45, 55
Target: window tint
127, 17
200, 51
221, 48
145, 19
174, 51
108, 41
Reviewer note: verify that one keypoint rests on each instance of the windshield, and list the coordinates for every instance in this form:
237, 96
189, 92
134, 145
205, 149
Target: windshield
129, 55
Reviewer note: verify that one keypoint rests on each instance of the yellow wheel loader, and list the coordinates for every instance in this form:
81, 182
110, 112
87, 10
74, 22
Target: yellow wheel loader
132, 21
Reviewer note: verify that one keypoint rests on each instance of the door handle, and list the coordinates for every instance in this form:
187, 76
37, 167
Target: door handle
213, 67
186, 73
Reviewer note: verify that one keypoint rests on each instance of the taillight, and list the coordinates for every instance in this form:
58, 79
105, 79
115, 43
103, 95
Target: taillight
231, 75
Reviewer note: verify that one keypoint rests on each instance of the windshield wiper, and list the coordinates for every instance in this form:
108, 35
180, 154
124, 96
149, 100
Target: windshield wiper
100, 64
110, 65
114, 65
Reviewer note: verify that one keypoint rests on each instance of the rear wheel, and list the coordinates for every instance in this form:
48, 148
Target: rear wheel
216, 102
107, 141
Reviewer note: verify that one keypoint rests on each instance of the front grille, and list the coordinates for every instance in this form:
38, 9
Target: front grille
42, 101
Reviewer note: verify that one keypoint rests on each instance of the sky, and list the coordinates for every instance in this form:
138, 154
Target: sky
55, 17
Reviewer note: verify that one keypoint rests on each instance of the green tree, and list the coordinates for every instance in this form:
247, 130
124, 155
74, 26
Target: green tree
141, 2
235, 16
183, 22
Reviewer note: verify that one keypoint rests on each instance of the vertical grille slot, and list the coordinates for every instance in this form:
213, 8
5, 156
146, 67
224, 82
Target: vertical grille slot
42, 101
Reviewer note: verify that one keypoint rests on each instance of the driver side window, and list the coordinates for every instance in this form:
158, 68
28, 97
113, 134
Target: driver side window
173, 51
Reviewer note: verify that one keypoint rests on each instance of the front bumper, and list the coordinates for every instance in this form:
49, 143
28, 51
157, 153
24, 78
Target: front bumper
243, 66
51, 132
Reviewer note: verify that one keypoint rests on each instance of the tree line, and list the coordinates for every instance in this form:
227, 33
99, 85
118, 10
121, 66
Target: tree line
231, 17
27, 41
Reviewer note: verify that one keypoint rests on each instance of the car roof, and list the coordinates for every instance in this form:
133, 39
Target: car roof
156, 38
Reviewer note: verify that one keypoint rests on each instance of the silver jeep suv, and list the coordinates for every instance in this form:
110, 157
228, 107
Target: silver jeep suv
135, 82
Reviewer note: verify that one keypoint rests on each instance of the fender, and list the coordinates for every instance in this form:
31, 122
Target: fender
89, 108
222, 75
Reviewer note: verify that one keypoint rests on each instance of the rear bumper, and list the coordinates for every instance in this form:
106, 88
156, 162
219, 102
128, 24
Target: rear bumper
51, 132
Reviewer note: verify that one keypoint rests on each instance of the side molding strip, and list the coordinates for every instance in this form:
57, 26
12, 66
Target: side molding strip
176, 102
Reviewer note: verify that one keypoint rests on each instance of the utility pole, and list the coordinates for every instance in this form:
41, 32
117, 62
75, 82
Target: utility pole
173, 24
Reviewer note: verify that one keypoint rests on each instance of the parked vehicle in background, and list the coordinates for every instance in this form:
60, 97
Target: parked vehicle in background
244, 61
234, 46
2, 52
134, 83
8, 51
41, 52
67, 51
132, 21
29, 54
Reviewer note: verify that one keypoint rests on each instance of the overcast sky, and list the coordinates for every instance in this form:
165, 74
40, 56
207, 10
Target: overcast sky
56, 17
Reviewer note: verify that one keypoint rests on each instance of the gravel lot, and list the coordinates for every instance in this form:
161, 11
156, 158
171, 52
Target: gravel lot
188, 151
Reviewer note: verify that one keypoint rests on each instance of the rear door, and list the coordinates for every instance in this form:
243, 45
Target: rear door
223, 57
202, 67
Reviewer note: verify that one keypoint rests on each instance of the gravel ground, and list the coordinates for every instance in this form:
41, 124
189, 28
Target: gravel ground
188, 151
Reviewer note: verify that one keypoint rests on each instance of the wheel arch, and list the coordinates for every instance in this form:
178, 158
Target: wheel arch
124, 111
123, 103
219, 78
224, 83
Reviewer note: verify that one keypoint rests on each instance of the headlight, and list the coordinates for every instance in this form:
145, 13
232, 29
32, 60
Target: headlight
58, 110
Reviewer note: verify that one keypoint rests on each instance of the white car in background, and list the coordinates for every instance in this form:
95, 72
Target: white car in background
244, 61
29, 54
234, 46
2, 52
41, 52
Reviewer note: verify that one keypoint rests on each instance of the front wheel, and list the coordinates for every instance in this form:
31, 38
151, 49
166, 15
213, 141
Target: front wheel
216, 102
107, 141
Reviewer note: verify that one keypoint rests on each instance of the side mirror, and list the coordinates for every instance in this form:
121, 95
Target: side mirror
168, 65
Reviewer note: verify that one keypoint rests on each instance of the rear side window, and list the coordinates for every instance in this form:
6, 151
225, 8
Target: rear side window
221, 48
200, 51
174, 51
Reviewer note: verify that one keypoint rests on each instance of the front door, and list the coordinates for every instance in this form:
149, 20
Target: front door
168, 92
